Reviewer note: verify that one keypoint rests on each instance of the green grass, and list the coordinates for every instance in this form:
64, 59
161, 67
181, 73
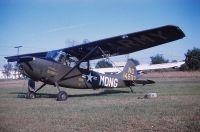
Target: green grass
177, 108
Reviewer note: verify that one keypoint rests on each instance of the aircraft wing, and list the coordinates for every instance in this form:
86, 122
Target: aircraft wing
145, 67
120, 45
16, 57
128, 43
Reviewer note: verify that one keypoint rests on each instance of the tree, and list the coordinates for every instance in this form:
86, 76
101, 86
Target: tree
70, 43
103, 64
7, 69
158, 59
192, 59
136, 62
184, 67
85, 41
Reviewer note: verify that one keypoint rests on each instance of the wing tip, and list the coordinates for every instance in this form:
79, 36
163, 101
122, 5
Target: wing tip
11, 58
177, 29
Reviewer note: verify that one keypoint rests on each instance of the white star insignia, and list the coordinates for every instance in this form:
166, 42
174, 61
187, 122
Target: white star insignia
89, 77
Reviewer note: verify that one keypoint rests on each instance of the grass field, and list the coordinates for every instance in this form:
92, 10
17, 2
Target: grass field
177, 108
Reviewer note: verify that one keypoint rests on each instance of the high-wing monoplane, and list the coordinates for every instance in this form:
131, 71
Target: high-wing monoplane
64, 67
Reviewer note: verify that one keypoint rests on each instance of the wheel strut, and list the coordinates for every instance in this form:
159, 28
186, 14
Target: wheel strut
62, 95
131, 89
31, 89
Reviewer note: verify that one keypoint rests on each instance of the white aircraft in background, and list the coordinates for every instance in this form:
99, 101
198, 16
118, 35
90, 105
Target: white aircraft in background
140, 68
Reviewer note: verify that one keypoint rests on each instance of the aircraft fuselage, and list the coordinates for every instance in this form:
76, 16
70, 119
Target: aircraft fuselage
50, 72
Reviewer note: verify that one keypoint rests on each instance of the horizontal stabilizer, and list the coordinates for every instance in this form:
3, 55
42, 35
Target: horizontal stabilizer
144, 82
134, 82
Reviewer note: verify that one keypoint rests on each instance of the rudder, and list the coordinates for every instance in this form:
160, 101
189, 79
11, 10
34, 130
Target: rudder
129, 72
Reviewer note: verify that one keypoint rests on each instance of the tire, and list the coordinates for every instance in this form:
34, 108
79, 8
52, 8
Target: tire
30, 95
31, 85
62, 96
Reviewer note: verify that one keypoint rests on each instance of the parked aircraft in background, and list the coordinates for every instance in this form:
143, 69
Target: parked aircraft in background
140, 68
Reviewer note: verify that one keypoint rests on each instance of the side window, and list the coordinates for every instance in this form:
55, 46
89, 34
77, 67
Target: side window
83, 65
61, 58
71, 61
57, 56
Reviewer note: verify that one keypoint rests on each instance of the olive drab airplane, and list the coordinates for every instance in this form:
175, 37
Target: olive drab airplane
64, 67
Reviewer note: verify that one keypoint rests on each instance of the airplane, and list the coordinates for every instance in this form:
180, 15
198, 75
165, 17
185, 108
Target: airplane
141, 69
63, 67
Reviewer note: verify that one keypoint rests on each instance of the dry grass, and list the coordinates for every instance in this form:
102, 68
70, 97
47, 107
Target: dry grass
177, 108
173, 74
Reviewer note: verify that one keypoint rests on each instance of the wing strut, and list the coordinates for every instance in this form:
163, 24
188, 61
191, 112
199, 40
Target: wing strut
85, 57
104, 54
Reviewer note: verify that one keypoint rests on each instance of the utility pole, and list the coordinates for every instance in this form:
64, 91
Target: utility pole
16, 68
17, 47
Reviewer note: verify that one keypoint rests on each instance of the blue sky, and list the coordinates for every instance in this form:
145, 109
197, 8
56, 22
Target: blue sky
42, 25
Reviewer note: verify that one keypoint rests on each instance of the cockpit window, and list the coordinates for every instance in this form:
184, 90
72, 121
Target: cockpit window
83, 65
52, 54
62, 57
56, 55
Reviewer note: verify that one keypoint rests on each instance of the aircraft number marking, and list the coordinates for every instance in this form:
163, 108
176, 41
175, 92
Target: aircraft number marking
108, 81
129, 75
103, 80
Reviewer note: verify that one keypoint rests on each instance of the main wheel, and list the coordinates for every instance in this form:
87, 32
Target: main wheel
62, 96
30, 95
31, 85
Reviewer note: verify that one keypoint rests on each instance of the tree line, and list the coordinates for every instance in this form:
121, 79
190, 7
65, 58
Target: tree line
192, 61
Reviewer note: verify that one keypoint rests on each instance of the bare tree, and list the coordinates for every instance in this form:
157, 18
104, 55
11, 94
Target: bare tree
7, 69
85, 41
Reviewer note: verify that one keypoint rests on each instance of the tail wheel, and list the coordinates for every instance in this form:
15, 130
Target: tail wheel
30, 95
62, 96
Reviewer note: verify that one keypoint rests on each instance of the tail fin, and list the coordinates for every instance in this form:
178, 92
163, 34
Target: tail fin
129, 72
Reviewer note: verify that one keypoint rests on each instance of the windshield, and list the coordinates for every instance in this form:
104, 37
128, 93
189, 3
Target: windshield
57, 55
52, 54
62, 57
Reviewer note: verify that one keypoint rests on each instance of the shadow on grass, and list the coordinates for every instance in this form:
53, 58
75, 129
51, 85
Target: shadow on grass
46, 95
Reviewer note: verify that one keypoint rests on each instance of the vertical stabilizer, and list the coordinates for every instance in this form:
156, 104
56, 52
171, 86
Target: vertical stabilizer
129, 72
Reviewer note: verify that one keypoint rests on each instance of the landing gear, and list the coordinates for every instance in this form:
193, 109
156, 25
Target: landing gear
31, 89
31, 85
30, 95
132, 84
131, 89
62, 96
